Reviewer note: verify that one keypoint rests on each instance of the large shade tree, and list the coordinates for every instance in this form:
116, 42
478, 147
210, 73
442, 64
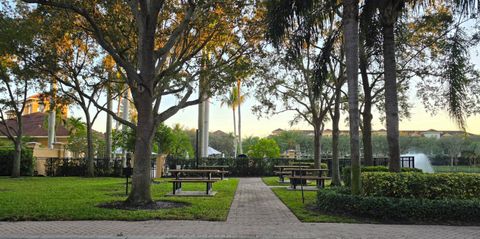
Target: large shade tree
157, 45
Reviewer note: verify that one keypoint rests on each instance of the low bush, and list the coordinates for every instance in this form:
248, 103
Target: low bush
407, 210
422, 185
6, 162
346, 171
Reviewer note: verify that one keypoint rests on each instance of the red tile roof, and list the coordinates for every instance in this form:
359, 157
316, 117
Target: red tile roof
33, 126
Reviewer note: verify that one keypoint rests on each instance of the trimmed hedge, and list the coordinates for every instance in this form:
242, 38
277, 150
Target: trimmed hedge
346, 171
399, 209
6, 162
422, 185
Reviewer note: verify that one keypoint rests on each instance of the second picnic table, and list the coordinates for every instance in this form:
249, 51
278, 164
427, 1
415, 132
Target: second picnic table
284, 170
301, 175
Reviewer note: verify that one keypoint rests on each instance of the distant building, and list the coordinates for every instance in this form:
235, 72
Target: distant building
35, 115
39, 103
35, 128
431, 133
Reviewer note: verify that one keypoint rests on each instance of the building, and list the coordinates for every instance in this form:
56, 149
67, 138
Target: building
39, 103
35, 129
431, 133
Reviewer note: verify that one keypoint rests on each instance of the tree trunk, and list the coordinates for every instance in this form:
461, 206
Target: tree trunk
391, 102
140, 194
235, 140
240, 146
336, 181
108, 131
350, 18
90, 157
317, 144
17, 156
367, 109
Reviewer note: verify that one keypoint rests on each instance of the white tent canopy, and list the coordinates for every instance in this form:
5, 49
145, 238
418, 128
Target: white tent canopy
212, 151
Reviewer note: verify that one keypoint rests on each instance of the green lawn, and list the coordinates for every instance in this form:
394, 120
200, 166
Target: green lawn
304, 212
274, 181
458, 169
75, 198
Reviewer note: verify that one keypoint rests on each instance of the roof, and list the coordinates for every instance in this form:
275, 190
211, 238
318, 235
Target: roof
33, 126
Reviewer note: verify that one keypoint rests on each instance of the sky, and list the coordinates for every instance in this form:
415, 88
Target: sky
221, 119
221, 116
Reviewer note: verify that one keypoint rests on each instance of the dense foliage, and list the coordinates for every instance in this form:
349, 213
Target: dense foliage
264, 148
408, 210
422, 185
346, 171
26, 162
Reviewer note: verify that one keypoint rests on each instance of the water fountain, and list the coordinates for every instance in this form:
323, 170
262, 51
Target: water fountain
422, 162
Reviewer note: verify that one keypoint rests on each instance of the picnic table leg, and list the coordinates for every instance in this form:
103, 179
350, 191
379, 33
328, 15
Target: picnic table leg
209, 187
174, 188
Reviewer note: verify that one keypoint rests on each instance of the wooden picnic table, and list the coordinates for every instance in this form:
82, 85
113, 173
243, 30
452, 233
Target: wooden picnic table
302, 175
221, 169
205, 178
286, 170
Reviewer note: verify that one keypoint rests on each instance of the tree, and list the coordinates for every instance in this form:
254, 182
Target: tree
264, 148
17, 52
77, 139
179, 145
223, 142
71, 63
157, 46
233, 100
306, 87
351, 36
389, 12
452, 146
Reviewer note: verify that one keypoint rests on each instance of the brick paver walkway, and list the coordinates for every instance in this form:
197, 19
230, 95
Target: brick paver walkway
255, 203
255, 213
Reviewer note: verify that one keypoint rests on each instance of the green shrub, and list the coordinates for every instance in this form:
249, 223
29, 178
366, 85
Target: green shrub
6, 162
399, 209
346, 171
422, 185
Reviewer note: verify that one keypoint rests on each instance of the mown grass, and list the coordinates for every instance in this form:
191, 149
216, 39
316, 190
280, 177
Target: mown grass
456, 169
75, 198
274, 181
305, 212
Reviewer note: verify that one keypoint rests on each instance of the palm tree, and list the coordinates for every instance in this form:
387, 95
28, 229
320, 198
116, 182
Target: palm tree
351, 36
389, 12
231, 101
239, 101
234, 100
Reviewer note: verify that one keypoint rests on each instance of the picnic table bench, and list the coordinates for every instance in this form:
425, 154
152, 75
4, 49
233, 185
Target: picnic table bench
302, 175
206, 177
